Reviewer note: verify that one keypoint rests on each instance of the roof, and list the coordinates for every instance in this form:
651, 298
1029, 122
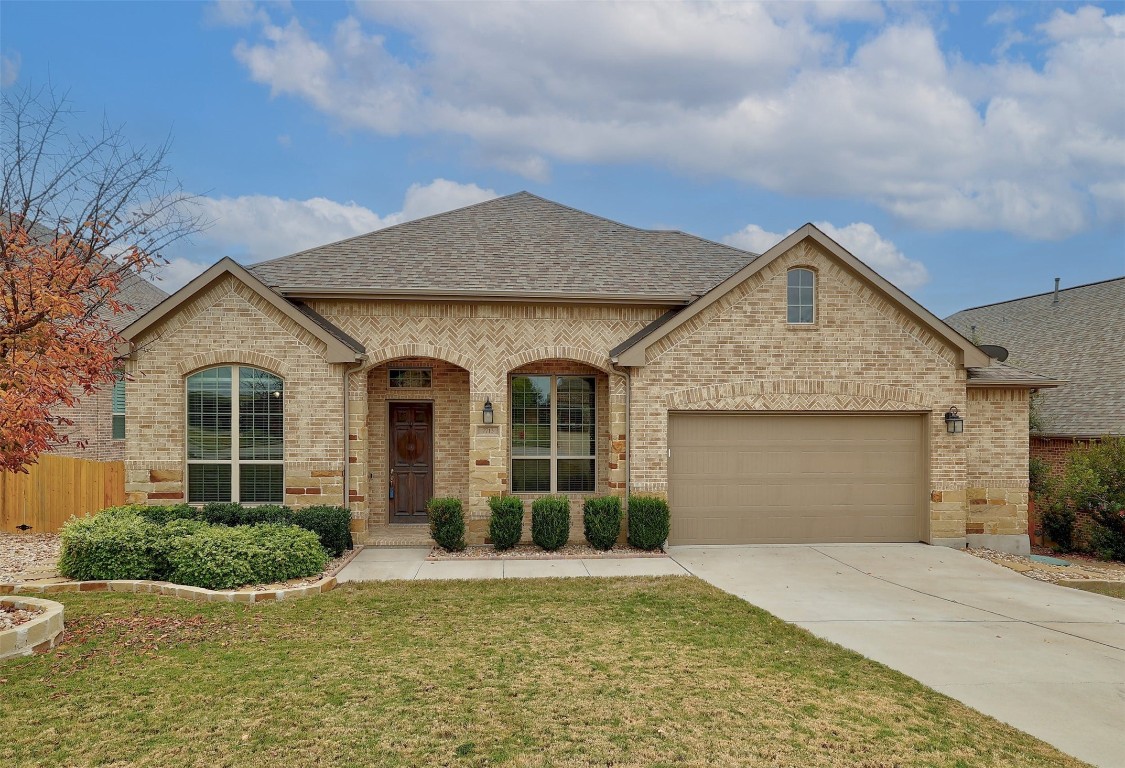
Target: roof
632, 351
1078, 340
137, 293
134, 291
1002, 374
518, 246
341, 348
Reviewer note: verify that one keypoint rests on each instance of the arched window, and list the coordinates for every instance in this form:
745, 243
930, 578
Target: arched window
235, 436
801, 296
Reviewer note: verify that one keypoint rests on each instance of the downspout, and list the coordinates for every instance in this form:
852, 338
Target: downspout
348, 371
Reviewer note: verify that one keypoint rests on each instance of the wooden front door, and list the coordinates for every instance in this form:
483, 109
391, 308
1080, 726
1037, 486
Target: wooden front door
411, 453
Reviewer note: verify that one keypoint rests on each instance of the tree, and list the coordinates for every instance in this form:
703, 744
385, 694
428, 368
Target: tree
78, 214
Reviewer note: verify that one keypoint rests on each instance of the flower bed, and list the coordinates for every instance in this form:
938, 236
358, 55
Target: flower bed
572, 551
35, 626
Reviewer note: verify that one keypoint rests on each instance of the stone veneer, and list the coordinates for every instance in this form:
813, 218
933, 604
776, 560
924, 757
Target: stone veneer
863, 354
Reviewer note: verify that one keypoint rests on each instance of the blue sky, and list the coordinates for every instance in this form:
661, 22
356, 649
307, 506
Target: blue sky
970, 152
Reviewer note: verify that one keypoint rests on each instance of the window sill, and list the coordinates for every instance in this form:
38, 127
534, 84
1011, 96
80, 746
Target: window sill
803, 326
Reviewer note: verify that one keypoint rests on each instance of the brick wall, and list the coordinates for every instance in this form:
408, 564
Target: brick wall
93, 422
996, 461
1056, 450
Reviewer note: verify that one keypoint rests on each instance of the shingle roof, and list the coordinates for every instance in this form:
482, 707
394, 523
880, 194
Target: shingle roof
1079, 340
521, 245
1002, 373
136, 292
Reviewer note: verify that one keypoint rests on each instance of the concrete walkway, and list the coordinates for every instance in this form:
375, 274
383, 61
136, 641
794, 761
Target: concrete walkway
1046, 659
410, 563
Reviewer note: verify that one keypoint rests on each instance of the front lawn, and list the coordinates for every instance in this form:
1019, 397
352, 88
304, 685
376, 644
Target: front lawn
622, 672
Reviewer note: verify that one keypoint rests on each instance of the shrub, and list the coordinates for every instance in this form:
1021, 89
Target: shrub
118, 545
447, 523
649, 522
505, 526
1038, 476
222, 557
601, 521
332, 525
1107, 537
1058, 521
550, 522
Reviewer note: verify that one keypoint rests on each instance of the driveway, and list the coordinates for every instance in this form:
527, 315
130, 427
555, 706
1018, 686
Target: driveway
1046, 659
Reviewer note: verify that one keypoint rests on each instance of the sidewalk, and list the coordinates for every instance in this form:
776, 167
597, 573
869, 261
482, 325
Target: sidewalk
410, 563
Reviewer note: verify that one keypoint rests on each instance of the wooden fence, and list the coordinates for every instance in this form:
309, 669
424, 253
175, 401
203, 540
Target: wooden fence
56, 488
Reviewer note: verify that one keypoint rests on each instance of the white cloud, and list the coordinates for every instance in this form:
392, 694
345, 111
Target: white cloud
9, 68
766, 94
251, 228
860, 238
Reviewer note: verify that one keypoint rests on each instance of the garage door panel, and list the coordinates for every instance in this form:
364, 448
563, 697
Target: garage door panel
790, 478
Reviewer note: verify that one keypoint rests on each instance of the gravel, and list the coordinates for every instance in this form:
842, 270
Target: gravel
576, 551
26, 556
10, 616
1080, 569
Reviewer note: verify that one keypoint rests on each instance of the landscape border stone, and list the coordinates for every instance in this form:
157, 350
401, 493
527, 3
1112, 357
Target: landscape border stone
167, 589
39, 635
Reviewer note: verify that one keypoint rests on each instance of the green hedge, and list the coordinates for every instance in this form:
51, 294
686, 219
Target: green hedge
505, 525
550, 522
224, 557
601, 521
649, 522
332, 525
447, 523
123, 543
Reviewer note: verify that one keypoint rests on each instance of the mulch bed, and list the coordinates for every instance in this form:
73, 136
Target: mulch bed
531, 552
10, 616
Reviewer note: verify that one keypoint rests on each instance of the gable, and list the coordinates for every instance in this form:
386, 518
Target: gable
338, 346
823, 253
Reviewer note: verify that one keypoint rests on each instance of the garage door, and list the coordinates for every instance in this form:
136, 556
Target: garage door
769, 478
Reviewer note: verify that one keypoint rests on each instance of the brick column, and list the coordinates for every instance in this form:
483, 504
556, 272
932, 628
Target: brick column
357, 450
618, 450
488, 450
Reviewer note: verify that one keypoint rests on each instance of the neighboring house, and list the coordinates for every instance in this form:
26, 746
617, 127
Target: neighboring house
519, 346
99, 418
1074, 334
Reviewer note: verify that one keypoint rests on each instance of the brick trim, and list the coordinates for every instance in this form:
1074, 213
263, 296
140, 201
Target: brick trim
837, 395
236, 357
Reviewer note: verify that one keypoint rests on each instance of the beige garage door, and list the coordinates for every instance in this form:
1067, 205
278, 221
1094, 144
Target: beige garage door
795, 478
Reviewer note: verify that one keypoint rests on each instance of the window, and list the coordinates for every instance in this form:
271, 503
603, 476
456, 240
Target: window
218, 422
801, 300
412, 378
553, 434
117, 407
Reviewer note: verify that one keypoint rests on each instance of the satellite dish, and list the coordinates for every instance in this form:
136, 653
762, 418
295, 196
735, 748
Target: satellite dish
994, 351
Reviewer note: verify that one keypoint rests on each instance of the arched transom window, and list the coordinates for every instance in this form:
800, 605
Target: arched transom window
801, 294
235, 435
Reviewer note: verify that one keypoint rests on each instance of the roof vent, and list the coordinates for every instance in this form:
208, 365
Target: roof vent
1056, 299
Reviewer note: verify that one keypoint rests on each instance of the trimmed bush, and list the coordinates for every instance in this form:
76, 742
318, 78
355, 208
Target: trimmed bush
118, 545
649, 522
601, 521
332, 525
505, 525
550, 522
222, 557
447, 523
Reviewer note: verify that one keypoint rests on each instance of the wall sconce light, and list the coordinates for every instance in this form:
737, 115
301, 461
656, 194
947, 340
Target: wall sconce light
487, 414
954, 424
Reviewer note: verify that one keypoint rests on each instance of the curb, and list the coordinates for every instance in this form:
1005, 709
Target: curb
168, 589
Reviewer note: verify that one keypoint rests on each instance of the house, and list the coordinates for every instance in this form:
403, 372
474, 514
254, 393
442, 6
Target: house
98, 428
519, 346
1074, 334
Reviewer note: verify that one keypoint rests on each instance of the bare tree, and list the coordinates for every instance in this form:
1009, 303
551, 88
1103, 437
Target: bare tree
79, 213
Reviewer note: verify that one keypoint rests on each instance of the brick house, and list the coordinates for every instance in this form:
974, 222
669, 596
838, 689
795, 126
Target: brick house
98, 431
1074, 334
519, 346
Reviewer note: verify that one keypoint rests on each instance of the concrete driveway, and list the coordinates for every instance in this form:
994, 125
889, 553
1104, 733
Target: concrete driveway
1043, 658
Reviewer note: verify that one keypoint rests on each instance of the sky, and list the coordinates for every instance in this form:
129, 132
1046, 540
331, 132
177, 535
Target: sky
969, 152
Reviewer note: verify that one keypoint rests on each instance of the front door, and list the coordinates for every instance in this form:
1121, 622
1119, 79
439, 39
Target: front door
411, 452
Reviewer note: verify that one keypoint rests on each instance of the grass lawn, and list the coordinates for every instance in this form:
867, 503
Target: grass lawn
1110, 588
607, 672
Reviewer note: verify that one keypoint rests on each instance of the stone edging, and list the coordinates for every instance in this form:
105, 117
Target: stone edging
168, 589
36, 636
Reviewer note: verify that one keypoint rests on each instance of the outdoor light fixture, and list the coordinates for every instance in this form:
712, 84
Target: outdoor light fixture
954, 424
486, 414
